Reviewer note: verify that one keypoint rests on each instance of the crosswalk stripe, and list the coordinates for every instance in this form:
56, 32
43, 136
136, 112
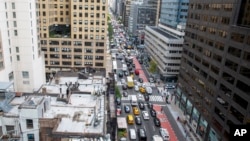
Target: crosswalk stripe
155, 98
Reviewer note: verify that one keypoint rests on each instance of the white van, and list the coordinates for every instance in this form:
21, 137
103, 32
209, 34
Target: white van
132, 134
164, 133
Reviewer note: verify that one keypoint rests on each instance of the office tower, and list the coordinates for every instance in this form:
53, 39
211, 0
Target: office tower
142, 14
74, 34
164, 42
214, 81
21, 59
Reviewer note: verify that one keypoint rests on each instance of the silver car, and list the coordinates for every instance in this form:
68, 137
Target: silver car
164, 133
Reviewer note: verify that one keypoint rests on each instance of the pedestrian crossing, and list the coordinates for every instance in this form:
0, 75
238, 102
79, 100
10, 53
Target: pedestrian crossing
156, 98
152, 98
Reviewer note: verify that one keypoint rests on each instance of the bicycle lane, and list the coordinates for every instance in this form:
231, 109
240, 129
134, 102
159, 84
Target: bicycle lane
165, 123
141, 72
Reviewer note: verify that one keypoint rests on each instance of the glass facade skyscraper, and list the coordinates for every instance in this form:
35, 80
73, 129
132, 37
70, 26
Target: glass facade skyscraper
173, 12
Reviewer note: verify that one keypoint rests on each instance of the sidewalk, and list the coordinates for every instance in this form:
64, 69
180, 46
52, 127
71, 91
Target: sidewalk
176, 112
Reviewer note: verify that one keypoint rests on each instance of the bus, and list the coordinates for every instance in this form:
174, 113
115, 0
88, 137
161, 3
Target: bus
114, 66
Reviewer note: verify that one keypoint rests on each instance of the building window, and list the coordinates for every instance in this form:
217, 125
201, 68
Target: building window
29, 123
18, 58
13, 5
14, 23
14, 14
31, 137
15, 32
99, 64
25, 74
17, 49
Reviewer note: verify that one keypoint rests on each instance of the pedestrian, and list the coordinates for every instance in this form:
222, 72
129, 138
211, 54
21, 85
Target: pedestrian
161, 109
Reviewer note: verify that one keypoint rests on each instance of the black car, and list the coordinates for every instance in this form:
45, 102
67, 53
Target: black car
130, 69
140, 61
133, 65
124, 87
126, 108
140, 80
141, 105
138, 120
118, 101
125, 94
146, 97
153, 113
120, 74
150, 105
157, 122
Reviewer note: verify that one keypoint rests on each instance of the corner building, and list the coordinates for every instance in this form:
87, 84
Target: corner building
74, 34
214, 81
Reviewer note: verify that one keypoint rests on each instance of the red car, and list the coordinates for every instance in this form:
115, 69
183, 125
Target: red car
137, 72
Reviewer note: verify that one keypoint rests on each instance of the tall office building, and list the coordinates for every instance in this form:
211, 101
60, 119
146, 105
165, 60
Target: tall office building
74, 34
21, 59
142, 14
214, 81
164, 42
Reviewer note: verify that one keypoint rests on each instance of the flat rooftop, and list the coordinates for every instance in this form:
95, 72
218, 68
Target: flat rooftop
83, 113
164, 33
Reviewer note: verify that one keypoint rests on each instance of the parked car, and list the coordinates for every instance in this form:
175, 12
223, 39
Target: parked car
141, 105
133, 65
157, 122
124, 87
127, 108
153, 113
125, 94
138, 120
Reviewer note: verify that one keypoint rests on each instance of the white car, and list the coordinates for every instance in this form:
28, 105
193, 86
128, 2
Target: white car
145, 115
136, 88
164, 133
140, 97
149, 90
123, 81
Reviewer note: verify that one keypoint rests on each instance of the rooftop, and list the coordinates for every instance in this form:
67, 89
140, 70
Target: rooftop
82, 113
164, 33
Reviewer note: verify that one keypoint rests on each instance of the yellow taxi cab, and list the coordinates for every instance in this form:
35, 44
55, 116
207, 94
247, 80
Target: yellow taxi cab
130, 119
136, 111
142, 90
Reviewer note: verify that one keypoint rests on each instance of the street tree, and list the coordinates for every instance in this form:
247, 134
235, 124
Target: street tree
152, 66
